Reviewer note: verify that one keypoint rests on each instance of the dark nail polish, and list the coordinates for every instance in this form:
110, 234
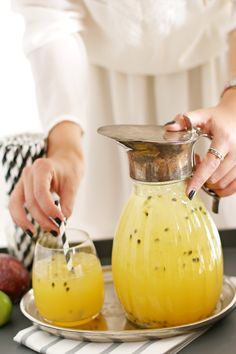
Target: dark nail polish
58, 221
29, 233
54, 233
191, 194
171, 122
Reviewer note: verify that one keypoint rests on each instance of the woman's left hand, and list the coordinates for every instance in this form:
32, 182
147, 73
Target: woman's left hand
219, 122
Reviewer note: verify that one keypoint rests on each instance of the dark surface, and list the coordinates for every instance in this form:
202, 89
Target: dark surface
228, 239
221, 338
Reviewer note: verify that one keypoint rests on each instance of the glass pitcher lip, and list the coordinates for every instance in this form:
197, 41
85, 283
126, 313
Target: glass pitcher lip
82, 244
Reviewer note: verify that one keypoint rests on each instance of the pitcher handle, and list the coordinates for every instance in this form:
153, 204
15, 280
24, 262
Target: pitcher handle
216, 198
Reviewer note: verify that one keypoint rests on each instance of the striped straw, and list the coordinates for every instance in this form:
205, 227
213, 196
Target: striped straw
65, 243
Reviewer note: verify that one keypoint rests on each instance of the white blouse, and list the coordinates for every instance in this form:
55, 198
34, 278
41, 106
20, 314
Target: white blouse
147, 37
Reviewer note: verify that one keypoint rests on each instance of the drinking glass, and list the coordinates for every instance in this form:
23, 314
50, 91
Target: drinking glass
65, 297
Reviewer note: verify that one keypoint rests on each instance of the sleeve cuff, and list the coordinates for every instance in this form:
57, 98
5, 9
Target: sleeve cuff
63, 118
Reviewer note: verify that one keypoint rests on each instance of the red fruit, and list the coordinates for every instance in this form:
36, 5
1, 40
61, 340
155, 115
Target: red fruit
14, 278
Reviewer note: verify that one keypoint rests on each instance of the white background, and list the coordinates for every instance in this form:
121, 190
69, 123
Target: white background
18, 108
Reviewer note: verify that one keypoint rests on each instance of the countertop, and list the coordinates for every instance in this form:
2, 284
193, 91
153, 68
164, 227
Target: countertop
221, 338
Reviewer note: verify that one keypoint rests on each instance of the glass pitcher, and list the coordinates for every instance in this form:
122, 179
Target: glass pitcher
167, 258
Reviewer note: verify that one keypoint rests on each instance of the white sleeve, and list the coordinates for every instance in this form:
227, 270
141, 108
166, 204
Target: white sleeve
53, 44
231, 25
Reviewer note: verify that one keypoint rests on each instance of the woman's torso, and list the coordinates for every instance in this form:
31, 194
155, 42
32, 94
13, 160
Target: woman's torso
154, 37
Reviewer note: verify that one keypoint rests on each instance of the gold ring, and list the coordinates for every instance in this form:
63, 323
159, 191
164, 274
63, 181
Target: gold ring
216, 153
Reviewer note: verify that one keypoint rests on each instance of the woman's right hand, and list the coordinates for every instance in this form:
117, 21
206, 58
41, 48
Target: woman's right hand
59, 172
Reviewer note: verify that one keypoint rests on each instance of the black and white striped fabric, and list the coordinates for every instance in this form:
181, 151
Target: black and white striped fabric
42, 342
16, 152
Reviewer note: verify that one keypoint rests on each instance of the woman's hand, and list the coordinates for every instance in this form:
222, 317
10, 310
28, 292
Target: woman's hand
60, 172
220, 123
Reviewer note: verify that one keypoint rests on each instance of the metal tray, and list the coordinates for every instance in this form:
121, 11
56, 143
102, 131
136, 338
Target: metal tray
112, 326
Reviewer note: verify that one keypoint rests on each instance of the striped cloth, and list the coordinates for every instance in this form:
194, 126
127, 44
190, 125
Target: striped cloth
46, 343
16, 152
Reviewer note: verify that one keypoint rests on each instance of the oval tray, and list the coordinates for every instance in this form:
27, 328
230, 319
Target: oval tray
112, 326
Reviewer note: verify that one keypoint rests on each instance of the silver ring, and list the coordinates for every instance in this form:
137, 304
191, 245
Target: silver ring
216, 153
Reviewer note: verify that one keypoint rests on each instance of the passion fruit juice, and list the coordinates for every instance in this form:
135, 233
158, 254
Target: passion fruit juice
68, 298
167, 258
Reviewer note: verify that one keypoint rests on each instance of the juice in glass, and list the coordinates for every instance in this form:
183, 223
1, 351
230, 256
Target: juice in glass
63, 297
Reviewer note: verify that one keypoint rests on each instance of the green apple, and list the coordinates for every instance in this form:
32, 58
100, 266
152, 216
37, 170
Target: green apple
5, 308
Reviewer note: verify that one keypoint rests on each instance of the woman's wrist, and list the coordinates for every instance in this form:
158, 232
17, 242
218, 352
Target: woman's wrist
228, 96
229, 86
65, 140
228, 100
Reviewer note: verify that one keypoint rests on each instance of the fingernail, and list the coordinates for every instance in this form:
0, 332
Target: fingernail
170, 123
54, 233
58, 221
191, 194
29, 233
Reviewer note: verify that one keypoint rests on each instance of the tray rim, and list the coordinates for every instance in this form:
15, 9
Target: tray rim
134, 332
